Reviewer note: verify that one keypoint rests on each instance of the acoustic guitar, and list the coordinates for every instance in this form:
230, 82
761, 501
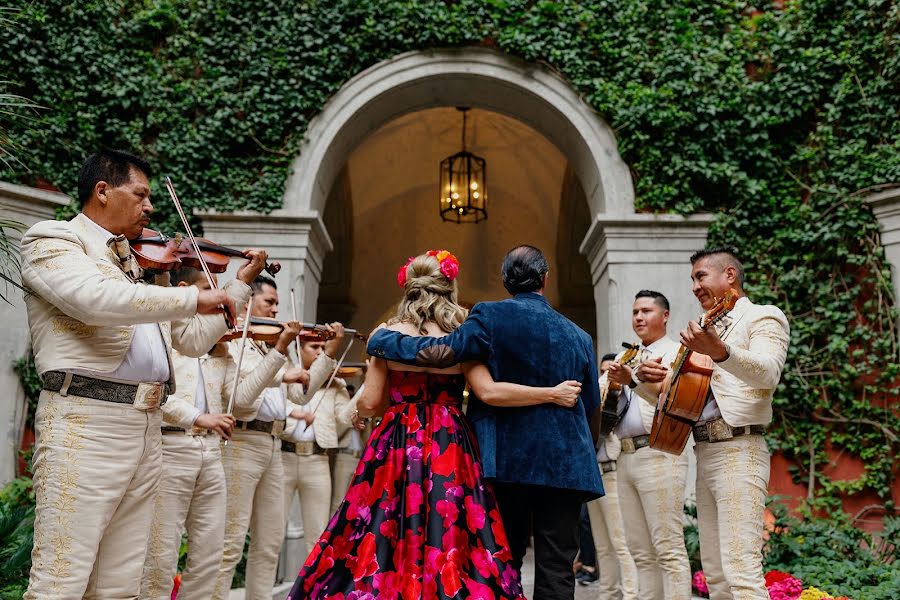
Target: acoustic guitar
610, 391
684, 393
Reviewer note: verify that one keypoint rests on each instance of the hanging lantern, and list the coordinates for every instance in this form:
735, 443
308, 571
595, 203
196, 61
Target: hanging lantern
463, 195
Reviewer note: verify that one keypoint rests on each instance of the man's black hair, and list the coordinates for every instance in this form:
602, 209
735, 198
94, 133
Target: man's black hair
606, 357
731, 256
523, 269
188, 275
113, 167
658, 298
262, 280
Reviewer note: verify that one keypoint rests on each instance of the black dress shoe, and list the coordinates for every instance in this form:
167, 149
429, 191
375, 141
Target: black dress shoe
585, 577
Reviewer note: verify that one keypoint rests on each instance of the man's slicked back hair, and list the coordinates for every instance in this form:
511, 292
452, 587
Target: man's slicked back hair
113, 167
657, 297
523, 270
729, 254
262, 280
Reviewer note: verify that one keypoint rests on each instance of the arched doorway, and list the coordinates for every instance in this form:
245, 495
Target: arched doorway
626, 251
383, 208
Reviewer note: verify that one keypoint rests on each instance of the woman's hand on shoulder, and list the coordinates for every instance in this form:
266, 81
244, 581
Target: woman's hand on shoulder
566, 393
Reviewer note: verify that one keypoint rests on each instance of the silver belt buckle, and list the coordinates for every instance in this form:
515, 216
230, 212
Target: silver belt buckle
148, 396
718, 430
628, 446
304, 448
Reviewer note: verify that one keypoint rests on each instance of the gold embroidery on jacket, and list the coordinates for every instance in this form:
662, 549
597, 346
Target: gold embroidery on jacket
70, 326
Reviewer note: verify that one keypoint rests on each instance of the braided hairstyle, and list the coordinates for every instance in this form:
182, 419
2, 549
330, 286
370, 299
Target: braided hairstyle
429, 296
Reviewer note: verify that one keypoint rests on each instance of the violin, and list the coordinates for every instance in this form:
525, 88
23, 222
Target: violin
268, 331
346, 372
158, 252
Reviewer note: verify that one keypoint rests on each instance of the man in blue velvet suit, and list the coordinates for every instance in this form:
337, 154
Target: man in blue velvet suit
540, 458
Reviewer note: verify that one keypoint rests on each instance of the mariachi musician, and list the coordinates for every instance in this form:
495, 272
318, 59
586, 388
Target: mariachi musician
102, 346
307, 448
192, 491
618, 573
651, 482
252, 460
748, 347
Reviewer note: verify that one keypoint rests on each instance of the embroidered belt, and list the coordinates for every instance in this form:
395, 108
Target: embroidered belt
633, 444
144, 396
607, 465
303, 448
718, 430
271, 427
195, 431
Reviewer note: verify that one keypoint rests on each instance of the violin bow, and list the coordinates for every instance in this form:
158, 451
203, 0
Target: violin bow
190, 235
237, 374
294, 318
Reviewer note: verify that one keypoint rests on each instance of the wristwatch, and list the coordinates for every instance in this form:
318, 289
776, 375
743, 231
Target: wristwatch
634, 378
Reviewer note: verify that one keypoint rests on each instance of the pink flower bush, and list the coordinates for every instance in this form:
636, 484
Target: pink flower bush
699, 583
786, 588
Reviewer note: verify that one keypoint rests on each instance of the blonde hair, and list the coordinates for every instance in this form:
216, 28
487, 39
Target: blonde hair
428, 296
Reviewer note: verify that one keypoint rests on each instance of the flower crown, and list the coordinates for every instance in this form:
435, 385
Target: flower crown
449, 266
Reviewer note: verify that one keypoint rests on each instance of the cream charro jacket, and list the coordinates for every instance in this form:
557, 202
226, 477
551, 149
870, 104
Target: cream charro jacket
219, 370
255, 355
757, 336
82, 307
332, 418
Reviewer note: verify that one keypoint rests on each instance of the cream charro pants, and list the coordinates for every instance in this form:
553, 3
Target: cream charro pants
309, 476
651, 497
96, 469
253, 476
608, 530
732, 480
341, 476
191, 496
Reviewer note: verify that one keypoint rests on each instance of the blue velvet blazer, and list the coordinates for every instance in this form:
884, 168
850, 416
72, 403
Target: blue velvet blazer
521, 340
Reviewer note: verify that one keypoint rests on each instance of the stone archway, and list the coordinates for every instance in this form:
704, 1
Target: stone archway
623, 249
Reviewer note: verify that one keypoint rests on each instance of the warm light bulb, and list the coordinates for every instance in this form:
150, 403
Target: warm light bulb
475, 195
474, 185
460, 210
455, 196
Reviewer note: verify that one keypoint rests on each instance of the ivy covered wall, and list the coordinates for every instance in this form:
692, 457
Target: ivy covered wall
778, 116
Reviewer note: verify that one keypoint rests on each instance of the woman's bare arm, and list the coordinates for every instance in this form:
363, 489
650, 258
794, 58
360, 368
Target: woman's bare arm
374, 396
500, 393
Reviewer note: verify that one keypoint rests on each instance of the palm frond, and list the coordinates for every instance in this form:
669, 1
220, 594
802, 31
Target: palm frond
9, 257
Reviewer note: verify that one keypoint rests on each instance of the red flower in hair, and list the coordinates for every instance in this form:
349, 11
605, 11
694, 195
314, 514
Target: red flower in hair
401, 274
449, 266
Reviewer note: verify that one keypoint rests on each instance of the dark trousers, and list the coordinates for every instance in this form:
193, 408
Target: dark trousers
586, 551
552, 514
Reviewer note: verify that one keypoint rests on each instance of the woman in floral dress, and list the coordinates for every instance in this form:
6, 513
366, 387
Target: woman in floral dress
419, 521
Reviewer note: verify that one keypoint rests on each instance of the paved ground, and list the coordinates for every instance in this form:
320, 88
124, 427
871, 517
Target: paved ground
582, 592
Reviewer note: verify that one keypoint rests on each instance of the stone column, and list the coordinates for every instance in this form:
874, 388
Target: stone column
628, 253
886, 206
298, 240
25, 205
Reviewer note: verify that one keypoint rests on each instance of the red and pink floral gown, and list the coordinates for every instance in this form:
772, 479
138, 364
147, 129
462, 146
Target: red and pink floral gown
418, 520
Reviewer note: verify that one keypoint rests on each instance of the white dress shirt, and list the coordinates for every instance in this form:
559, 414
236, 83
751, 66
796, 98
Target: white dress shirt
200, 393
272, 407
303, 432
632, 425
146, 360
